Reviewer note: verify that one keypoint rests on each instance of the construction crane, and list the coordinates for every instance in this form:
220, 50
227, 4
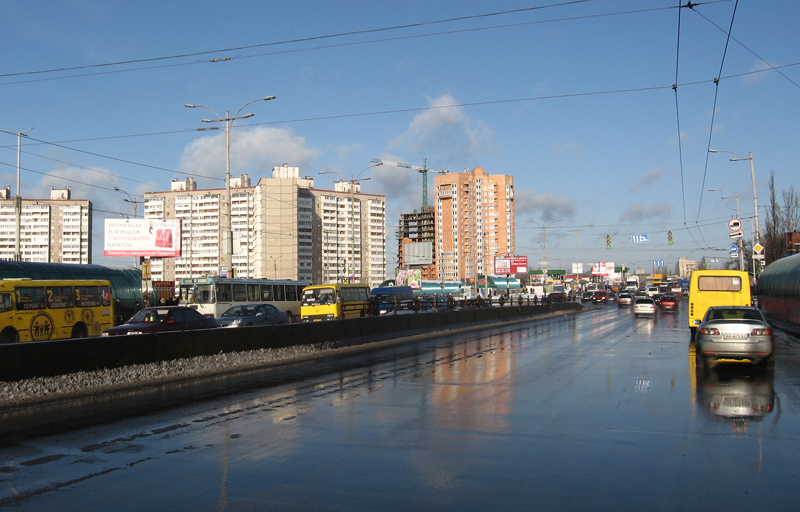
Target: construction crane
423, 170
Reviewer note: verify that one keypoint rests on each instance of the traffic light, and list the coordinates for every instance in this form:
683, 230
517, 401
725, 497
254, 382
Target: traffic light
669, 237
608, 241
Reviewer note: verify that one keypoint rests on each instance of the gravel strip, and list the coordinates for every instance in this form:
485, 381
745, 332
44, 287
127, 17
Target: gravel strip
84, 383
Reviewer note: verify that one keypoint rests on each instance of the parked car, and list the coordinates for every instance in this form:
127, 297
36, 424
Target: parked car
625, 299
735, 332
248, 315
668, 302
644, 306
162, 319
600, 296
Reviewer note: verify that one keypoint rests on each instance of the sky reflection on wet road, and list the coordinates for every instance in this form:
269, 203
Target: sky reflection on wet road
599, 411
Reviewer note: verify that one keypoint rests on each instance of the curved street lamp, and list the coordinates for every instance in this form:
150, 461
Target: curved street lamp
353, 180
227, 123
755, 197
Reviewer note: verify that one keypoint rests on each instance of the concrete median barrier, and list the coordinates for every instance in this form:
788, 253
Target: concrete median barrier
42, 359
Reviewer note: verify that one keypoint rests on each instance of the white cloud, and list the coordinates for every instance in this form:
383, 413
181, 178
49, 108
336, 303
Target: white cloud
444, 133
651, 177
254, 152
638, 212
547, 206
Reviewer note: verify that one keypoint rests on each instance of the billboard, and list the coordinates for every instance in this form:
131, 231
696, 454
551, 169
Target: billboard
418, 253
511, 265
409, 277
603, 268
142, 237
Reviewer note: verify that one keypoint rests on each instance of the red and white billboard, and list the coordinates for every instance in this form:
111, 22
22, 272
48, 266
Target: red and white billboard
603, 268
510, 265
142, 237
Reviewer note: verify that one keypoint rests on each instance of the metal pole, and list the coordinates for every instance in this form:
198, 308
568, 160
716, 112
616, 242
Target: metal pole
18, 198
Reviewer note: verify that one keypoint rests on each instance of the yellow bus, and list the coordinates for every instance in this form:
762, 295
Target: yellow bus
334, 301
716, 288
34, 310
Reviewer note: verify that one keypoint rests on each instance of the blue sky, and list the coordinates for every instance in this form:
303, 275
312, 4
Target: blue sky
573, 99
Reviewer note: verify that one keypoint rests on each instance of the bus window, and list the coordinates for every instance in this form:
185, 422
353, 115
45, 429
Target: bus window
291, 292
87, 296
266, 292
60, 297
224, 293
30, 298
253, 292
5, 302
240, 293
279, 292
719, 284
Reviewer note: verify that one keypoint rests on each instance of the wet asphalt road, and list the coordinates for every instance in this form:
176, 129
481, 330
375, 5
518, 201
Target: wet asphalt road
598, 411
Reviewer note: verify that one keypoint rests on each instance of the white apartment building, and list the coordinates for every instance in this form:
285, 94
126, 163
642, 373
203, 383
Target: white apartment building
350, 231
273, 230
55, 230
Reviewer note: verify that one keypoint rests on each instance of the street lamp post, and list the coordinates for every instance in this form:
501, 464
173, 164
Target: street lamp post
275, 265
544, 229
227, 123
18, 198
755, 196
353, 180
740, 243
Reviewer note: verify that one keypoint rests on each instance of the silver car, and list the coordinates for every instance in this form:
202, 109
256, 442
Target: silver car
644, 306
735, 332
252, 314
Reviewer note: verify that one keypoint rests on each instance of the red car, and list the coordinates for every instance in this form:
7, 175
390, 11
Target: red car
600, 296
668, 302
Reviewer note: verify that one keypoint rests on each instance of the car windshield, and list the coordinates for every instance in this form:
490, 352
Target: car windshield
239, 311
149, 316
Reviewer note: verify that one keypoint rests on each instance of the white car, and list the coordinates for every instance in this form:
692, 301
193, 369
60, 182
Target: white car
644, 306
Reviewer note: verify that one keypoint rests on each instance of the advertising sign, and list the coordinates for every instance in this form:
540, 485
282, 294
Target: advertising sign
142, 237
409, 277
510, 265
603, 268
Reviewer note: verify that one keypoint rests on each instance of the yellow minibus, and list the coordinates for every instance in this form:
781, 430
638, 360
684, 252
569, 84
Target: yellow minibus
40, 310
334, 301
716, 288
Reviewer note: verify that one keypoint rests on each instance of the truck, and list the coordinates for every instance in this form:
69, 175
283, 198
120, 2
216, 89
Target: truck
632, 283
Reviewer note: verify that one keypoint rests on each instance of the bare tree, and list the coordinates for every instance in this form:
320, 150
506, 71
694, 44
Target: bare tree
791, 210
773, 236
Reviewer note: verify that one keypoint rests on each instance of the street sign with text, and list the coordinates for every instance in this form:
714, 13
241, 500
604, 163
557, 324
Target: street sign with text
638, 239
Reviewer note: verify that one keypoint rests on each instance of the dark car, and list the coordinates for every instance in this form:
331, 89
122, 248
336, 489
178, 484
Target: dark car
252, 314
600, 296
162, 319
587, 296
735, 332
668, 302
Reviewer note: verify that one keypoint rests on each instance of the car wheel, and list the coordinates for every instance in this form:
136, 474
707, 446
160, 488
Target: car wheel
768, 362
79, 331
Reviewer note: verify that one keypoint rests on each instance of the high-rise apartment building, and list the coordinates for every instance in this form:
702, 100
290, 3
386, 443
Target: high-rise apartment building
474, 222
55, 230
282, 229
350, 233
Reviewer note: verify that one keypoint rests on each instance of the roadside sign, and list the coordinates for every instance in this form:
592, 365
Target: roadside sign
638, 239
734, 249
658, 263
736, 234
758, 248
735, 224
758, 256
